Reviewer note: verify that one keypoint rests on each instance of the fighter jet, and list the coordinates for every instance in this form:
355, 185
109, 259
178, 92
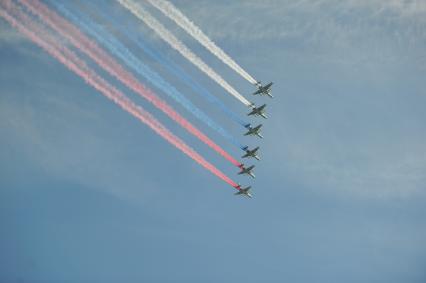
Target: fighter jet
264, 90
248, 171
258, 111
251, 153
253, 131
243, 192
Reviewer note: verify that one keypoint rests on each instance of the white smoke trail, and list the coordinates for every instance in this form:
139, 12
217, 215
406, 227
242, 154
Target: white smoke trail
180, 19
167, 36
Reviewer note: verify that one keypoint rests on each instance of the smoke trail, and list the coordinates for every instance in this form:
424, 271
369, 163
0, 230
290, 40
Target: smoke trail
75, 64
131, 33
90, 48
173, 13
149, 20
119, 50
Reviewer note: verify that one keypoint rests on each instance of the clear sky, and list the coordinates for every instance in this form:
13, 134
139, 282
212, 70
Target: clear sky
89, 194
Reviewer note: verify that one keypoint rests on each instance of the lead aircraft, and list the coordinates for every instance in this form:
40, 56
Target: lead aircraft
263, 90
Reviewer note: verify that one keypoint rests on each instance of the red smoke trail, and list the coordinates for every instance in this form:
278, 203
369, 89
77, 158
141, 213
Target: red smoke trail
90, 48
33, 31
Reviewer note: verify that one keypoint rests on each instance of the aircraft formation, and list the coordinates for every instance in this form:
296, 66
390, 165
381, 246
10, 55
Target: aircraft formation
75, 33
253, 131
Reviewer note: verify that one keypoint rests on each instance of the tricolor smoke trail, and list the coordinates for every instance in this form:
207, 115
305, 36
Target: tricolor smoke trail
132, 34
180, 19
12, 13
122, 52
109, 64
179, 46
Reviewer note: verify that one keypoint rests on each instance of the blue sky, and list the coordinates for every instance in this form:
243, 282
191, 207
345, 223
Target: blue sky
89, 194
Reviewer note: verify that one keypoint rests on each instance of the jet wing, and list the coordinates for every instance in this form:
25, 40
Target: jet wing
252, 112
257, 92
268, 86
260, 108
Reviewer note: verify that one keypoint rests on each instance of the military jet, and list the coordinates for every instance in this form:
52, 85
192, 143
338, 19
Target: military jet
258, 111
253, 131
248, 170
243, 192
251, 153
264, 90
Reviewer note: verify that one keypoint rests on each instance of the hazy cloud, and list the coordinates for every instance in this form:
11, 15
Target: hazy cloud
386, 31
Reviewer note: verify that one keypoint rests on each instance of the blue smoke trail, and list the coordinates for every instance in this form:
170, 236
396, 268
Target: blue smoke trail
185, 77
119, 50
173, 68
